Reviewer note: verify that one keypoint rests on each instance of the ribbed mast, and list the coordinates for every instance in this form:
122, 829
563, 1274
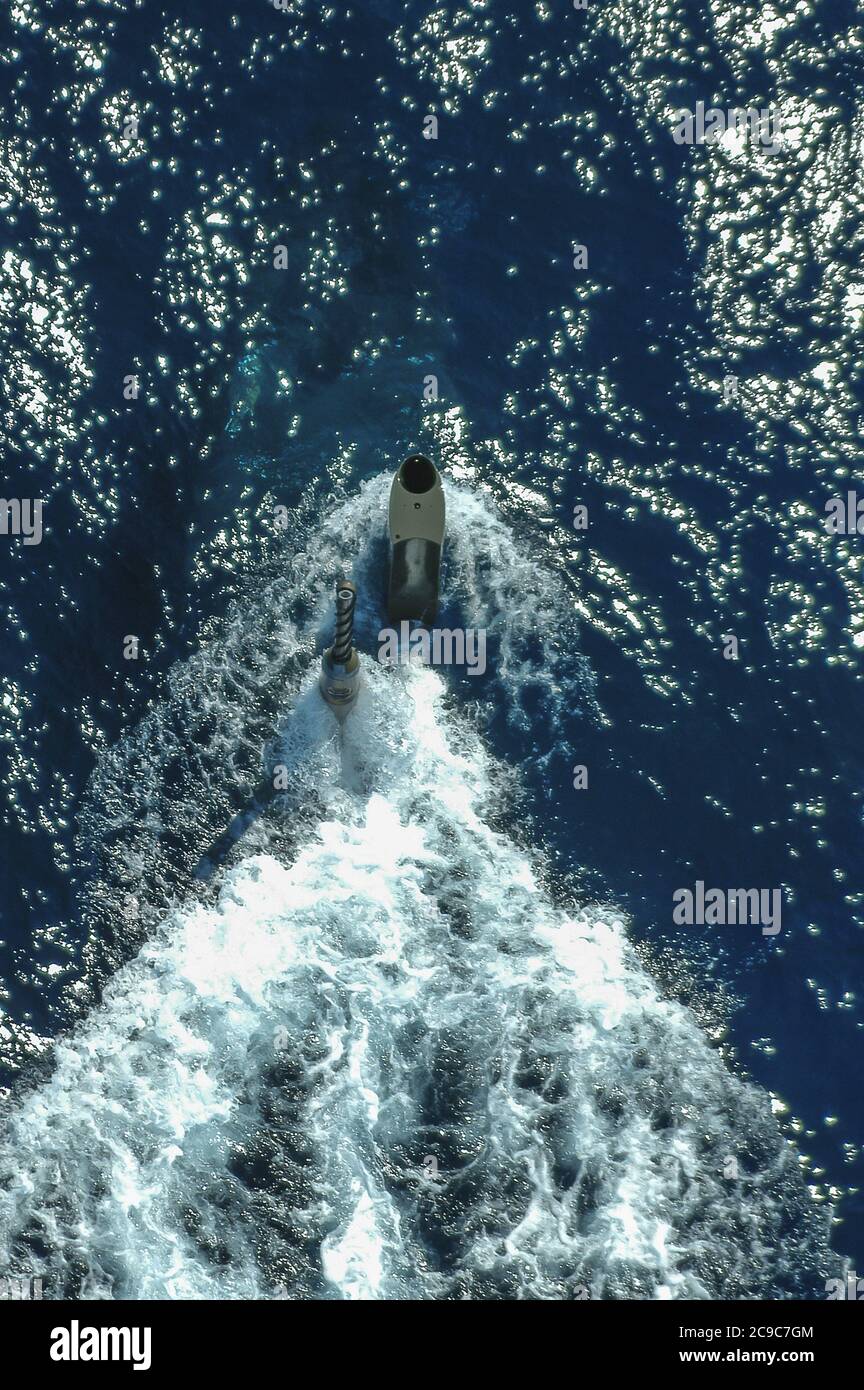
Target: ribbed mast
343, 642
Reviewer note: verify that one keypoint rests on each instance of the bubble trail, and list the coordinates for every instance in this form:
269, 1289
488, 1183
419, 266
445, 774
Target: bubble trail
385, 1064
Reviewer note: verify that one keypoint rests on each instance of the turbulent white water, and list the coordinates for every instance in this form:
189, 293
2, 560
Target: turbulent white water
383, 1063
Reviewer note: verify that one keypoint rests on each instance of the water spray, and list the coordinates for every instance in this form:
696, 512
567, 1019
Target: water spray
340, 665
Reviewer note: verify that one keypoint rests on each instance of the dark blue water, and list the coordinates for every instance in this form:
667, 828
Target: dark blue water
262, 387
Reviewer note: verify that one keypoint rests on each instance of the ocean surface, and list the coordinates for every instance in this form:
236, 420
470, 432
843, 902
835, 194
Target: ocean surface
430, 1030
